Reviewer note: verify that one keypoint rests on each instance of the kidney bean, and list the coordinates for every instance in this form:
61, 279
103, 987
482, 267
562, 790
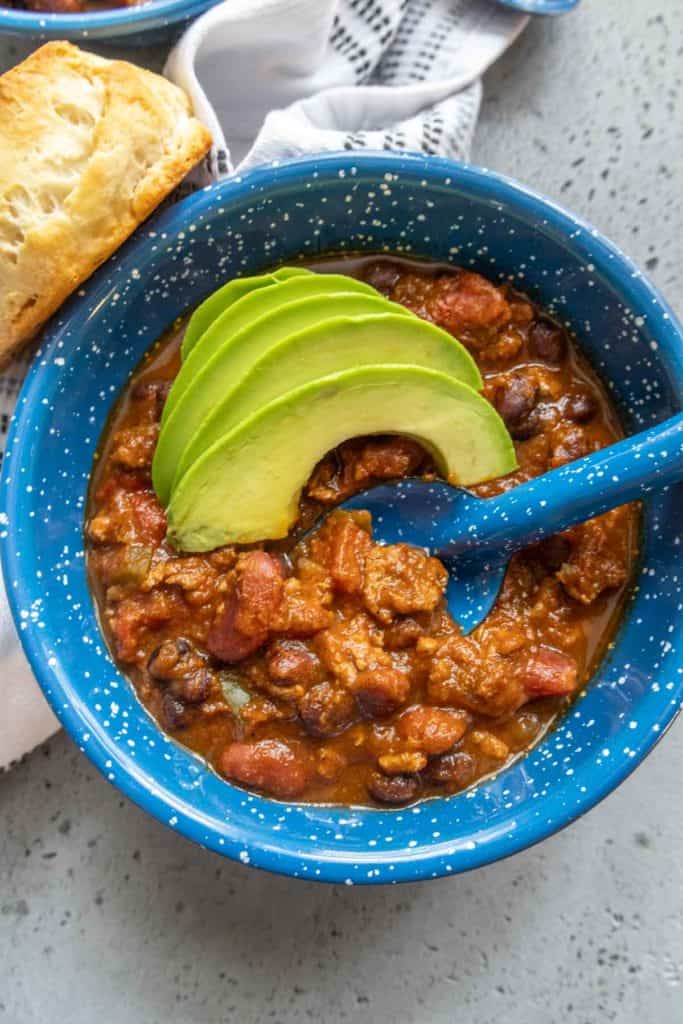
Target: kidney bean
270, 765
242, 624
549, 673
394, 789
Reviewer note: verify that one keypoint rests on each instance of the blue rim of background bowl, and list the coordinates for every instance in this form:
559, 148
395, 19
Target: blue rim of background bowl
120, 20
542, 7
411, 866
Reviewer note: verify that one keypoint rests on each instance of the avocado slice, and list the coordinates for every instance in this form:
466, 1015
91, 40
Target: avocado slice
252, 306
211, 308
246, 487
331, 346
233, 360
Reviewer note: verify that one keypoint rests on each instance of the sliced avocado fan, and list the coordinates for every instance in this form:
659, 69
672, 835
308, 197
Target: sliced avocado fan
234, 359
246, 487
252, 306
212, 307
340, 343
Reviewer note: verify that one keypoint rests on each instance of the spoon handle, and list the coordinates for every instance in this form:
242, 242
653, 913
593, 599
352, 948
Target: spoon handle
626, 471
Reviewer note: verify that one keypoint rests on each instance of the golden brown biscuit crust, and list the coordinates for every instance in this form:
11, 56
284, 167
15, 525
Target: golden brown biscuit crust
88, 148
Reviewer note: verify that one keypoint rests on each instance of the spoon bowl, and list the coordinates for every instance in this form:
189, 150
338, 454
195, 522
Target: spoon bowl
475, 537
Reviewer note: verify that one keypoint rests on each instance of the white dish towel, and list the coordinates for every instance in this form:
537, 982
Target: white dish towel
274, 79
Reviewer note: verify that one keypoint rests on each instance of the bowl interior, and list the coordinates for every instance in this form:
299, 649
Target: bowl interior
338, 203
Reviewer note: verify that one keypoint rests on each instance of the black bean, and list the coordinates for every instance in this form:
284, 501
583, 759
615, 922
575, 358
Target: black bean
178, 666
194, 687
327, 709
163, 661
455, 768
393, 789
581, 407
549, 341
173, 712
515, 398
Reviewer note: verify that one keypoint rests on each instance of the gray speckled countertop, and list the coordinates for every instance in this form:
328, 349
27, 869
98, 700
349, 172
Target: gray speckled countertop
107, 916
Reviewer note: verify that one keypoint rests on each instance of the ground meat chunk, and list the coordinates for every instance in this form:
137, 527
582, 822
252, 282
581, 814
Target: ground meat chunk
381, 691
150, 397
393, 789
402, 634
356, 464
387, 458
245, 618
292, 663
302, 611
467, 301
131, 517
261, 711
461, 302
464, 674
599, 558
134, 619
351, 646
407, 762
270, 765
569, 442
134, 447
192, 574
327, 709
432, 730
57, 6
400, 579
549, 673
342, 545
490, 745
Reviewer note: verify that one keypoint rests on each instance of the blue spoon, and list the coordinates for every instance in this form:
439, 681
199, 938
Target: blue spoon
541, 6
475, 537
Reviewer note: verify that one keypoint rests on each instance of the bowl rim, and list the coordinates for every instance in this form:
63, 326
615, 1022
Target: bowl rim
150, 13
279, 856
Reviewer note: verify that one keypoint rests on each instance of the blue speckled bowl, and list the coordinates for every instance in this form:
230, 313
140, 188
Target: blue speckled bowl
338, 202
153, 22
